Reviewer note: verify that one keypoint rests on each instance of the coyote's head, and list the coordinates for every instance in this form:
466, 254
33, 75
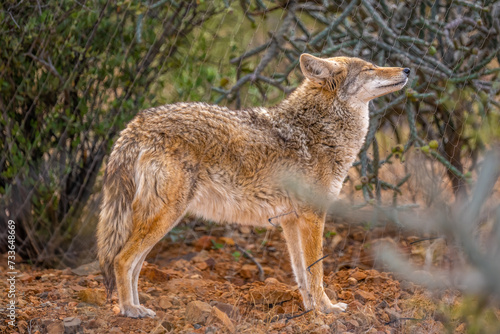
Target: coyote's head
352, 78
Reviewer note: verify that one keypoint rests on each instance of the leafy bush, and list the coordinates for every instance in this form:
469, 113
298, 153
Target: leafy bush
72, 74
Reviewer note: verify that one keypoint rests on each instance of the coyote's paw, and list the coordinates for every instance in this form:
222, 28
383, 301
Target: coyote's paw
334, 308
137, 311
327, 306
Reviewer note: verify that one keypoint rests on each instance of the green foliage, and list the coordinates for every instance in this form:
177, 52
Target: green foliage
217, 245
236, 255
329, 234
72, 75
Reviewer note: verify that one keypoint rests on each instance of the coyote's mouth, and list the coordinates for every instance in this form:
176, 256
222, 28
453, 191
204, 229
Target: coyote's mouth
396, 84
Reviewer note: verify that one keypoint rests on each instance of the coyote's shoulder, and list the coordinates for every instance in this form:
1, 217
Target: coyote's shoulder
234, 166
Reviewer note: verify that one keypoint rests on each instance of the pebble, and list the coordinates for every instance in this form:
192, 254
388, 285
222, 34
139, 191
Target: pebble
197, 312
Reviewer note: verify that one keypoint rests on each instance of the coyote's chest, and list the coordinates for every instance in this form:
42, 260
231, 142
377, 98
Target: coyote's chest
234, 203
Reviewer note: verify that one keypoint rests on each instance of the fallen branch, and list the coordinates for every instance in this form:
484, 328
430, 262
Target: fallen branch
249, 256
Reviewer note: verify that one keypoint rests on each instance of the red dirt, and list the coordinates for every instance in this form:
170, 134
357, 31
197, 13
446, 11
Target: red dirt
200, 262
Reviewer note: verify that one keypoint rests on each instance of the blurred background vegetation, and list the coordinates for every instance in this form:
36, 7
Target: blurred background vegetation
72, 73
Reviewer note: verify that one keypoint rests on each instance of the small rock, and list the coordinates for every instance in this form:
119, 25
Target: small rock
95, 323
352, 281
248, 270
355, 305
72, 325
359, 276
393, 315
67, 271
382, 304
202, 256
168, 326
226, 241
154, 274
231, 311
115, 330
205, 242
91, 268
197, 312
331, 294
144, 297
116, 310
180, 264
201, 265
25, 278
210, 263
364, 296
47, 277
270, 294
56, 327
271, 280
217, 316
92, 296
345, 295
211, 330
164, 302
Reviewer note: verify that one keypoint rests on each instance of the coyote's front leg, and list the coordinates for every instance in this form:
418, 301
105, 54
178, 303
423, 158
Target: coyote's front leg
304, 238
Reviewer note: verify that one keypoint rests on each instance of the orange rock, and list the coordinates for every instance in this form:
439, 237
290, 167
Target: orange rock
116, 310
164, 303
226, 241
197, 312
248, 270
355, 306
359, 276
345, 295
364, 296
201, 265
205, 242
92, 296
154, 274
217, 316
231, 311
271, 294
331, 294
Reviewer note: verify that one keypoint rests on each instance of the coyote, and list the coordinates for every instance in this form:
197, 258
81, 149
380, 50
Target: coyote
228, 166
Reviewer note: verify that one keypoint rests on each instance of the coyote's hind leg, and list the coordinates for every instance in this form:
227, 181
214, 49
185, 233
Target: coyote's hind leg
129, 261
155, 213
135, 280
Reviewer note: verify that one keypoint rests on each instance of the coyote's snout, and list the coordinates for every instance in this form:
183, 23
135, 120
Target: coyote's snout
228, 166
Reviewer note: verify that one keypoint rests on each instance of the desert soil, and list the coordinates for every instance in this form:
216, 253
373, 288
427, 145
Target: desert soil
199, 280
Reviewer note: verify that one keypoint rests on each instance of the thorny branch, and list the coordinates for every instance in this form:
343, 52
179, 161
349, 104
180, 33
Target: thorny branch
449, 47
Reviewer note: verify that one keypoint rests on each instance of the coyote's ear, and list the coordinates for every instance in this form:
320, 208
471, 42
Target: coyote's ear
316, 69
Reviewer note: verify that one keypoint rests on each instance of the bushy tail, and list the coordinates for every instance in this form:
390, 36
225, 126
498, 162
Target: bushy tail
115, 220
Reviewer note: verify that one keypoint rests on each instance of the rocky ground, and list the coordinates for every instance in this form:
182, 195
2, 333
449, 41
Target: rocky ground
205, 278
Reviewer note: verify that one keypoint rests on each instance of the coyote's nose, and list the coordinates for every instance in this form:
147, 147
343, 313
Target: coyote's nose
407, 71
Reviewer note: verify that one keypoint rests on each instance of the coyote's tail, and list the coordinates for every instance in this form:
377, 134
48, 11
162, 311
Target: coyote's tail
115, 221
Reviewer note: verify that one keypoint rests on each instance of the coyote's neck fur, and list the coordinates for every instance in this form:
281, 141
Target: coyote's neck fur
326, 128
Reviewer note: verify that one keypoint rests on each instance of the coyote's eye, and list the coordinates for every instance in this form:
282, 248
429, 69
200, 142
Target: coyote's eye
368, 69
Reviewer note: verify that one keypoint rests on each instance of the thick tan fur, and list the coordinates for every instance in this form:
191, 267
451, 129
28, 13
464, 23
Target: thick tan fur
229, 166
